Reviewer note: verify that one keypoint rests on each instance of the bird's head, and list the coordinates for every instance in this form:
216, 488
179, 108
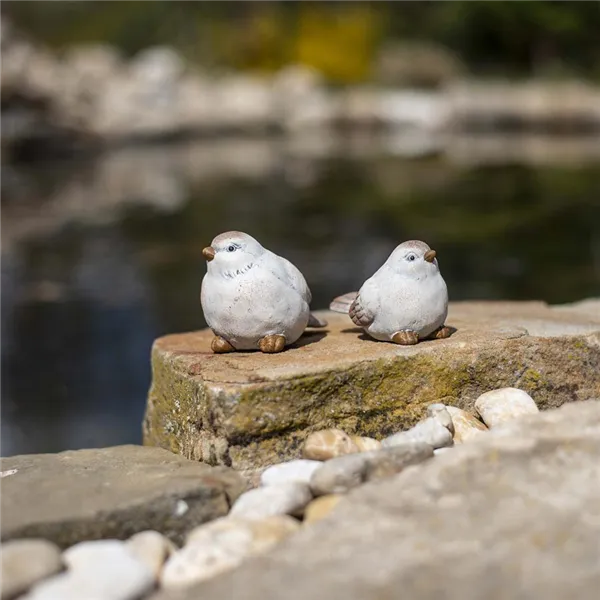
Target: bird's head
414, 259
232, 253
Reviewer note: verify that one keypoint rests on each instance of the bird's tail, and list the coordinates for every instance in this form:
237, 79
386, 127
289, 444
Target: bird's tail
315, 321
342, 304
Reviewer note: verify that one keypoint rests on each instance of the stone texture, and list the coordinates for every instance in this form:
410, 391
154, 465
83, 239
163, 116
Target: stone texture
25, 562
290, 471
281, 499
152, 548
439, 451
430, 431
466, 426
439, 412
111, 492
249, 410
365, 444
515, 515
328, 443
221, 545
320, 507
343, 473
500, 406
98, 570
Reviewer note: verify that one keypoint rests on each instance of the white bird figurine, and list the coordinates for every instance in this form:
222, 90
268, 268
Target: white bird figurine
253, 299
405, 301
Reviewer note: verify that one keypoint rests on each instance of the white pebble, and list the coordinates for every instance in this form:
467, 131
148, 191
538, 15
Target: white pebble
503, 405
293, 471
341, 474
99, 570
440, 412
439, 451
271, 500
466, 426
328, 443
365, 444
219, 546
152, 548
25, 562
66, 586
430, 431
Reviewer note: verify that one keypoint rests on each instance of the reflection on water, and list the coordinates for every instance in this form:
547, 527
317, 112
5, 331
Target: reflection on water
101, 257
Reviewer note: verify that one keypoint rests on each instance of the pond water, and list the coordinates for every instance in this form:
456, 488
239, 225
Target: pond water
101, 256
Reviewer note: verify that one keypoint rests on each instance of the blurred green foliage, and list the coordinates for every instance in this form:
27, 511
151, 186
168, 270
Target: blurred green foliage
341, 39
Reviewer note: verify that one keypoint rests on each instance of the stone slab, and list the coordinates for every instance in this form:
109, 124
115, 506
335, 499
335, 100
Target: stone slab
111, 493
512, 516
249, 410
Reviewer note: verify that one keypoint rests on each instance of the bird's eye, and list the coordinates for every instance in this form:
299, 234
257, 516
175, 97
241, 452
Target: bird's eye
411, 257
231, 249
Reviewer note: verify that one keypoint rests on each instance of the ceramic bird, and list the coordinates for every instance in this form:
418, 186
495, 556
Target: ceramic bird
405, 301
252, 298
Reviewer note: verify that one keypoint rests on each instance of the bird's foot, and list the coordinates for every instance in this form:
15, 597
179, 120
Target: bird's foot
220, 345
442, 332
406, 337
272, 343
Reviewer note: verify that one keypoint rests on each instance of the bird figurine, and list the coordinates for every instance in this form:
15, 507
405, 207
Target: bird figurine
252, 298
405, 301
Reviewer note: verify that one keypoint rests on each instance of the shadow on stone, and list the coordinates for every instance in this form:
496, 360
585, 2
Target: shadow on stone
309, 337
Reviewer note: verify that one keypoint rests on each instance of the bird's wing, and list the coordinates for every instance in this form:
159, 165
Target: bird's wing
359, 314
361, 305
366, 304
284, 270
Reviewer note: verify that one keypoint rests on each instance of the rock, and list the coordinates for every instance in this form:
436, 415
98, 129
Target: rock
420, 110
264, 532
293, 470
152, 548
159, 66
245, 102
328, 443
268, 501
143, 98
439, 451
430, 431
390, 461
516, 515
196, 562
99, 570
254, 410
338, 475
221, 545
359, 106
25, 562
503, 405
365, 444
416, 64
303, 101
341, 474
111, 492
320, 507
441, 414
536, 104
466, 426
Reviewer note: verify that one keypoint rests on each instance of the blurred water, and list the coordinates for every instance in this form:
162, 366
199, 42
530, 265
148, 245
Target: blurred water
100, 257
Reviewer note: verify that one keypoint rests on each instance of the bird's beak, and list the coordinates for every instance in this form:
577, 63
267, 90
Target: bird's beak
208, 253
429, 256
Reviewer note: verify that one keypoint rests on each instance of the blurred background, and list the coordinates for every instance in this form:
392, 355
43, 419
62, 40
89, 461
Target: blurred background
134, 132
